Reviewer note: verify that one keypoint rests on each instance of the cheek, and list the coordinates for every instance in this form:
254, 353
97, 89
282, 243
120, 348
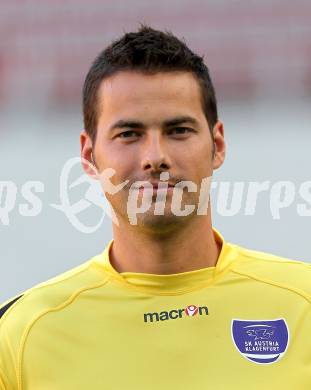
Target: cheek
120, 159
198, 158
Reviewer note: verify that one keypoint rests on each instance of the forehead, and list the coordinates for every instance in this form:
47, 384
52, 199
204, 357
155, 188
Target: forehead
162, 93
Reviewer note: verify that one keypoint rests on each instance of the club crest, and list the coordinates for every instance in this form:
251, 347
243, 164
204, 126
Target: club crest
260, 341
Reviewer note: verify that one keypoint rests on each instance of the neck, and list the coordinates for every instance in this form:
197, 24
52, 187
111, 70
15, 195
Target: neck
190, 248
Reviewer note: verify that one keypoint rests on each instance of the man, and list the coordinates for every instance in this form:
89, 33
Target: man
169, 304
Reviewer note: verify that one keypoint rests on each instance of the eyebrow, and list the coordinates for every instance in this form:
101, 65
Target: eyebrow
133, 124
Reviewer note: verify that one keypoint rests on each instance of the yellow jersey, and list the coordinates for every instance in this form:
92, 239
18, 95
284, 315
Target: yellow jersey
243, 324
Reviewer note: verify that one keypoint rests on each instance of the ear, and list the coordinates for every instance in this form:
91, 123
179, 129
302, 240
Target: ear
219, 145
86, 149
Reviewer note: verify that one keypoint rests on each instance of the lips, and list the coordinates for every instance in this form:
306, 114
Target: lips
156, 185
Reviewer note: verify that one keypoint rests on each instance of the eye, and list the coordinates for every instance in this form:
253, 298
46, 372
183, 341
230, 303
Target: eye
180, 130
129, 134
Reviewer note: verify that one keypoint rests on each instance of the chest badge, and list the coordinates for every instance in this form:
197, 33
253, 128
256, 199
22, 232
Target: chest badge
260, 341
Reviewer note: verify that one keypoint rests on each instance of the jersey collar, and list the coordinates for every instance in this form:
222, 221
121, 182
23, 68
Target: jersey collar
173, 283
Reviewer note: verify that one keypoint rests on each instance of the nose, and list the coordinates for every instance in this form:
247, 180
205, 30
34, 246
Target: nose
155, 156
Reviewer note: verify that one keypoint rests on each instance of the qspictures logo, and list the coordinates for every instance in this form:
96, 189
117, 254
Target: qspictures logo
189, 311
144, 195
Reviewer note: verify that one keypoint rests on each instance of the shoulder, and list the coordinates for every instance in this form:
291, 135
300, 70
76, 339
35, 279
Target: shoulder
282, 272
19, 314
19, 311
6, 305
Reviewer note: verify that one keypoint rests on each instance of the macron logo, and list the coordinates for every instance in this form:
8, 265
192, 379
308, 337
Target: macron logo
190, 311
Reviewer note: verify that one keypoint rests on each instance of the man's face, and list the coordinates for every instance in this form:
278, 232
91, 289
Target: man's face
148, 124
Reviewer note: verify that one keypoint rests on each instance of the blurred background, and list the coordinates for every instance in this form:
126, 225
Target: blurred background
259, 56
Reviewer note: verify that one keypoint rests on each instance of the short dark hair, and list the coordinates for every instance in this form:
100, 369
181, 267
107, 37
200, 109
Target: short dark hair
148, 51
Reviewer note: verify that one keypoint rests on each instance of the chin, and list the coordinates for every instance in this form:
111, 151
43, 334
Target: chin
161, 224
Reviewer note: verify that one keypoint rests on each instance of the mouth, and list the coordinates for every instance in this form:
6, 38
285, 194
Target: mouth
157, 187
